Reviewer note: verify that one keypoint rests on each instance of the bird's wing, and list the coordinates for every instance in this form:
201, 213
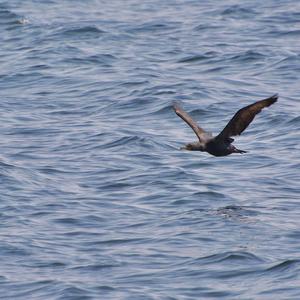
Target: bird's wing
244, 117
188, 119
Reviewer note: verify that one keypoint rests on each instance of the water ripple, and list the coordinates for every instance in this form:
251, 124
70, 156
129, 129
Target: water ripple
97, 199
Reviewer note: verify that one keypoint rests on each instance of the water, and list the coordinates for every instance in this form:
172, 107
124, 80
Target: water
97, 200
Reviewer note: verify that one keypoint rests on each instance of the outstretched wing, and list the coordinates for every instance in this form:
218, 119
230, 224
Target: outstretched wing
244, 117
188, 119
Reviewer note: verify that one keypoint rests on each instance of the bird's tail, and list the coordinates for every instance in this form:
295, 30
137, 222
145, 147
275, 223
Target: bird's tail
240, 151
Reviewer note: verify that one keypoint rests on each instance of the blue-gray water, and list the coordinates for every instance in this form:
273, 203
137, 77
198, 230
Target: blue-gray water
97, 200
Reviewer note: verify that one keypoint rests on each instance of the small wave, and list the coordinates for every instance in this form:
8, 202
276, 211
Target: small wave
134, 83
50, 264
287, 64
193, 58
25, 289
67, 221
289, 33
115, 242
74, 292
211, 195
7, 17
231, 256
4, 166
247, 56
122, 141
203, 27
285, 265
131, 140
199, 112
215, 69
169, 108
105, 288
198, 57
163, 110
83, 30
237, 11
166, 92
104, 60
96, 267
294, 121
152, 27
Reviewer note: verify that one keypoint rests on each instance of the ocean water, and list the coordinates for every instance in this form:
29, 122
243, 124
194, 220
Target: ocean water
97, 200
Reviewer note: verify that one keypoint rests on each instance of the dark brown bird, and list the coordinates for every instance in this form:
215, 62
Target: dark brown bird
220, 145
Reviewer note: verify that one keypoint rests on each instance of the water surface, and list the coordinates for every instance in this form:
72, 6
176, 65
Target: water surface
97, 200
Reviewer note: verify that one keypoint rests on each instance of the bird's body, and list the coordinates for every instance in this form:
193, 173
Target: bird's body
221, 145
218, 148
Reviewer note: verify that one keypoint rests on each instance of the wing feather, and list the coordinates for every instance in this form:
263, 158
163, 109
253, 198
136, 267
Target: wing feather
244, 117
188, 119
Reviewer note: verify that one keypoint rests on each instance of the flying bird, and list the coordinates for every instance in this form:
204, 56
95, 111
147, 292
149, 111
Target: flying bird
221, 145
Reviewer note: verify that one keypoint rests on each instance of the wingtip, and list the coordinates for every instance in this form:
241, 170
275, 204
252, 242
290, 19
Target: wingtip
271, 100
176, 106
275, 97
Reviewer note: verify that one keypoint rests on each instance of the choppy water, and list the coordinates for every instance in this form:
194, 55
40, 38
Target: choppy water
97, 202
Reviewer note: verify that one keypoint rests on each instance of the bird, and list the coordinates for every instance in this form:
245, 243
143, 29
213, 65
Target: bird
221, 145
